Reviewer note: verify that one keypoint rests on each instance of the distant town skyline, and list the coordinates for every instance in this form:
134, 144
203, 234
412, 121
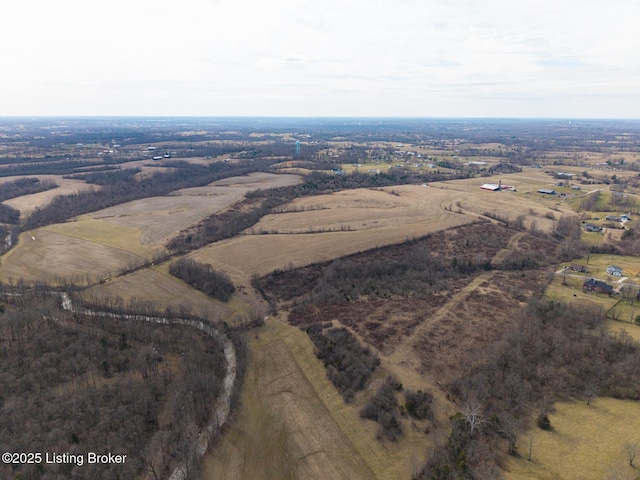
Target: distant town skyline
406, 58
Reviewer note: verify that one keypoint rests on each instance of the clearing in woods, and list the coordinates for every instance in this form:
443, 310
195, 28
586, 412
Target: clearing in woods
43, 254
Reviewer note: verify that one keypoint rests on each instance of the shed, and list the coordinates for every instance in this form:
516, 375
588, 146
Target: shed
547, 191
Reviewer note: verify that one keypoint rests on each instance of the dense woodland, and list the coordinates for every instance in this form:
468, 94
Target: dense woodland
103, 385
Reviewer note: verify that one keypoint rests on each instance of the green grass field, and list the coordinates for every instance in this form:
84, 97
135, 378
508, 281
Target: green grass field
586, 442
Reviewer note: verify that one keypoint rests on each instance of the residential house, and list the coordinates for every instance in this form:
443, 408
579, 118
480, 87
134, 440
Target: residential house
593, 285
614, 271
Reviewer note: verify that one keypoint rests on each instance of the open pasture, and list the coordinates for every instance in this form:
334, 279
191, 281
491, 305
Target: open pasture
538, 210
101, 243
586, 441
248, 254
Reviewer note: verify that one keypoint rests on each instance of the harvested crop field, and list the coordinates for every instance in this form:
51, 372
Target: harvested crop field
245, 255
28, 203
160, 218
44, 255
360, 209
163, 290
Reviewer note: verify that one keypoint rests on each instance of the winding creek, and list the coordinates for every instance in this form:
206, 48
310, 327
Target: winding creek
223, 402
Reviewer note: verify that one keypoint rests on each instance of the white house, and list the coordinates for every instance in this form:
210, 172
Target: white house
614, 271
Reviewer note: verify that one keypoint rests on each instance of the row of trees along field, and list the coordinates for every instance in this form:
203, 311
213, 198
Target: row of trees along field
261, 202
122, 186
75, 383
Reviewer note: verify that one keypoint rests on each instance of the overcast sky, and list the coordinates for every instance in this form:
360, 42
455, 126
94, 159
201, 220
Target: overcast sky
429, 58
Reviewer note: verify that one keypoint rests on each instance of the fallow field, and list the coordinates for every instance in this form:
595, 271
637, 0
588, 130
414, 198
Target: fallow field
336, 225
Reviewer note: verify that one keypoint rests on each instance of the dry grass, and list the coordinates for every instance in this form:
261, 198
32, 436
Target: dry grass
44, 255
616, 327
163, 290
28, 203
586, 442
294, 424
356, 210
159, 218
99, 244
245, 255
541, 209
101, 232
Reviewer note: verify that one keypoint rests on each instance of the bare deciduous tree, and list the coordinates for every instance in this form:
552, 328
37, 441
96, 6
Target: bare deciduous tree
632, 449
473, 416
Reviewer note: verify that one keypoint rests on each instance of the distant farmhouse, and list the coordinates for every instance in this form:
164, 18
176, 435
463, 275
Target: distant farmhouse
614, 271
597, 286
590, 227
565, 175
496, 187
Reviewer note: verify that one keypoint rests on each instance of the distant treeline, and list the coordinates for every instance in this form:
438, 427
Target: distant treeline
203, 277
41, 167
